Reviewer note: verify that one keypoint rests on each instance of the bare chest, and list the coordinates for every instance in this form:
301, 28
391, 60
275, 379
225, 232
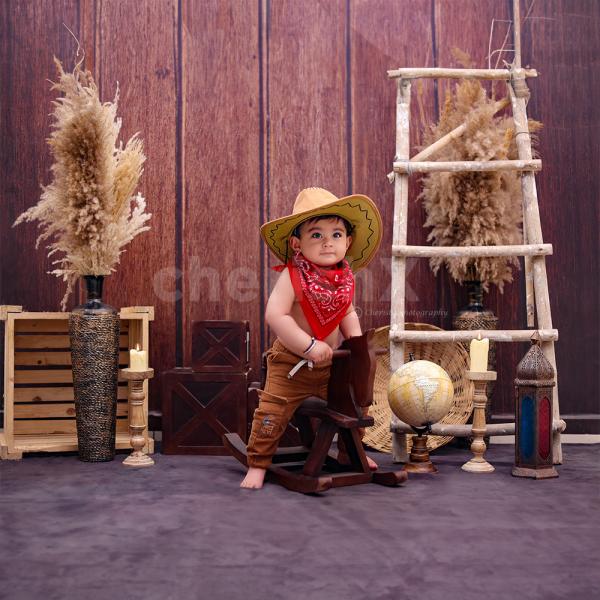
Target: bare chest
333, 339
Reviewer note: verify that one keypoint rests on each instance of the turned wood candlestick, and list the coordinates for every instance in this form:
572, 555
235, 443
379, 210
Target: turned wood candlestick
478, 464
137, 418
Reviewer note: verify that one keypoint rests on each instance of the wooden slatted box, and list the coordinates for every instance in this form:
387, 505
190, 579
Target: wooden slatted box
39, 410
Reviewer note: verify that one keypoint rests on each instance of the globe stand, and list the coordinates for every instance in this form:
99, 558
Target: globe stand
418, 461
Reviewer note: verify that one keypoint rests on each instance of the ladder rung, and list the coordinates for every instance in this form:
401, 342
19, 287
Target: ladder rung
466, 430
456, 430
466, 165
474, 251
495, 335
432, 72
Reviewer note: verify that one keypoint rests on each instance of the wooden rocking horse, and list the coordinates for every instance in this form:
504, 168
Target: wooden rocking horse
315, 466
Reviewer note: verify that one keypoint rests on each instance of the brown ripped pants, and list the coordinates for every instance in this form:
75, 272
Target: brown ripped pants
280, 399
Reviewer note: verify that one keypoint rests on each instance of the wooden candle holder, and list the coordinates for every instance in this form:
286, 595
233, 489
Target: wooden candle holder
137, 416
478, 464
418, 461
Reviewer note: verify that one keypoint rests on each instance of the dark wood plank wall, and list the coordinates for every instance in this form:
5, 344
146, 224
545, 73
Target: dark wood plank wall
563, 41
220, 140
241, 104
383, 37
31, 33
147, 75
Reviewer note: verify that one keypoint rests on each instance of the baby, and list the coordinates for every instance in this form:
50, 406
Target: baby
309, 306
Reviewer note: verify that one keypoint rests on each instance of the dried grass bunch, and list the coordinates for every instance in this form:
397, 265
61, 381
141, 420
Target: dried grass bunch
90, 210
474, 209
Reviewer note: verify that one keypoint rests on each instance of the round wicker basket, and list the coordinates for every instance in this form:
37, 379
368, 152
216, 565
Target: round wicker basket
452, 357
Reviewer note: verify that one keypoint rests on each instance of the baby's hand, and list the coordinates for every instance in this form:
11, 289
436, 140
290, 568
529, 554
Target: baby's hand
320, 353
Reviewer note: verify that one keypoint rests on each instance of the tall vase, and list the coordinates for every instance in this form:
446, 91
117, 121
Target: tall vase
94, 329
476, 316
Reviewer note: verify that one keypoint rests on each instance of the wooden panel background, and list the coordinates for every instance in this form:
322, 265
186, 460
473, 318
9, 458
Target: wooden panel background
148, 104
383, 38
243, 103
564, 43
220, 165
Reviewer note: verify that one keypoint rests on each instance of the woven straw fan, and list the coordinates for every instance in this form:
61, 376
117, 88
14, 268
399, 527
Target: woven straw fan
451, 357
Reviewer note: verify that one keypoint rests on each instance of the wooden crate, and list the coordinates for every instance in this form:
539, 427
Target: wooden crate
39, 410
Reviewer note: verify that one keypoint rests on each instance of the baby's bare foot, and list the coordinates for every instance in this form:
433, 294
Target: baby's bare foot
254, 478
344, 459
372, 464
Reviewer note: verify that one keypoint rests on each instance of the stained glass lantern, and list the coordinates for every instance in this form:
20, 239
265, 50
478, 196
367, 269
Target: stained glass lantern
533, 418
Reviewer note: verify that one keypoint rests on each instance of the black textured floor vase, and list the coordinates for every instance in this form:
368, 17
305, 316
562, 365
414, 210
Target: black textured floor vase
476, 316
94, 332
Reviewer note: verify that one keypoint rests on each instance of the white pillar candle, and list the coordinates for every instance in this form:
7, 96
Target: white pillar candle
479, 354
138, 359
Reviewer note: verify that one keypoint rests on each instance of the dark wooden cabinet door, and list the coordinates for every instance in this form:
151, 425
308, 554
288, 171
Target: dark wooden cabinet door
220, 346
198, 408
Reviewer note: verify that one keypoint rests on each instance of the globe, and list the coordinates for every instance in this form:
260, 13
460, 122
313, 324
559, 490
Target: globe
420, 393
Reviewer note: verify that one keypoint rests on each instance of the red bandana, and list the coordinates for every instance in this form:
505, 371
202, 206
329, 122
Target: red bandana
324, 294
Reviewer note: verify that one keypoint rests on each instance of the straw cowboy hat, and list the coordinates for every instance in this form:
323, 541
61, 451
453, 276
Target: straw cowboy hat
358, 210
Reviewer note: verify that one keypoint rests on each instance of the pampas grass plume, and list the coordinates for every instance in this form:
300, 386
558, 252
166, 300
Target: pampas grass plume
474, 208
90, 210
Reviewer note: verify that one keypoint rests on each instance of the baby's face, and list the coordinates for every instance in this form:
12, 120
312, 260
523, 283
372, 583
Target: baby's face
323, 242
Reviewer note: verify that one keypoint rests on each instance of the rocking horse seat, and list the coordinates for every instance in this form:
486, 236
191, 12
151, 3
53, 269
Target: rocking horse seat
314, 403
314, 466
318, 408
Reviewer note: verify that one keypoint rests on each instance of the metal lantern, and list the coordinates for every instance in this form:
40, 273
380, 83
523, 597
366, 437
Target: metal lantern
533, 419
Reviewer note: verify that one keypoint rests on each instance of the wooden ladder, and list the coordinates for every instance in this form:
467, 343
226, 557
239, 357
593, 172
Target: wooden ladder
534, 250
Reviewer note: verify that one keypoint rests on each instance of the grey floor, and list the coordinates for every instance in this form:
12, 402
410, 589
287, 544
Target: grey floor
184, 530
